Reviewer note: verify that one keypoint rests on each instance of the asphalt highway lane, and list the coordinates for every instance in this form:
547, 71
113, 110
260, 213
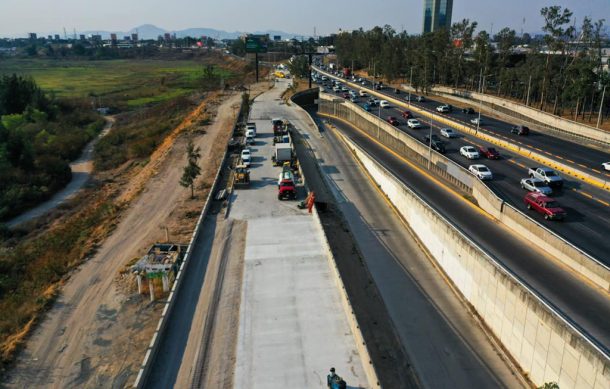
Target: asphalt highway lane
582, 157
587, 307
588, 208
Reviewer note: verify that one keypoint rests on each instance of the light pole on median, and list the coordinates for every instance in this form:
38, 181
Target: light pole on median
430, 145
410, 85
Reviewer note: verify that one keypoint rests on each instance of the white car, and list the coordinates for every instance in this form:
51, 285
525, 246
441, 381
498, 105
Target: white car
413, 123
344, 89
246, 157
363, 93
363, 82
477, 121
336, 88
443, 108
449, 133
606, 165
536, 185
481, 171
384, 104
469, 152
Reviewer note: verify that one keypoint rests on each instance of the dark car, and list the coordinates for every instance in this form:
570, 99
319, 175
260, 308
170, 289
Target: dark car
346, 95
392, 120
468, 110
397, 91
489, 152
435, 144
372, 102
407, 115
520, 130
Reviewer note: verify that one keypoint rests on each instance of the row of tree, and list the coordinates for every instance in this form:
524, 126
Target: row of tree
38, 138
561, 71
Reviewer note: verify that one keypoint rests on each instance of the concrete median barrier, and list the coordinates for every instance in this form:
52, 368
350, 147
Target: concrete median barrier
546, 345
452, 173
523, 151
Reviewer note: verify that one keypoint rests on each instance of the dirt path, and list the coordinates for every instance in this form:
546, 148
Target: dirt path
81, 171
95, 335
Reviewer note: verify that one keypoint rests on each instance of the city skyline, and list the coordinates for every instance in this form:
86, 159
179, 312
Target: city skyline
521, 15
437, 14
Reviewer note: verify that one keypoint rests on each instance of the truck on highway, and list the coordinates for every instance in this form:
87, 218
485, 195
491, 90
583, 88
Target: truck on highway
547, 175
282, 153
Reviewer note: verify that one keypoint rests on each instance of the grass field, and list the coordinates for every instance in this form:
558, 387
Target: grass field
120, 83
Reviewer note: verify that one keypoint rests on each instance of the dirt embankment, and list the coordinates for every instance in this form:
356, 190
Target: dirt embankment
96, 332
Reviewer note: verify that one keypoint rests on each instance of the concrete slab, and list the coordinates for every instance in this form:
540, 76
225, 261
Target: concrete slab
292, 324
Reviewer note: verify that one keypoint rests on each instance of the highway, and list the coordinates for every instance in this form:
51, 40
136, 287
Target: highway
577, 155
588, 207
588, 307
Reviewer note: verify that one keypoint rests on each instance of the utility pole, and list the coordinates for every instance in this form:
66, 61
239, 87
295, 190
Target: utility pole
430, 145
601, 105
529, 85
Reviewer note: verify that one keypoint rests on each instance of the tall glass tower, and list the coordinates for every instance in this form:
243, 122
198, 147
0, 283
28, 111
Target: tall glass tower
437, 14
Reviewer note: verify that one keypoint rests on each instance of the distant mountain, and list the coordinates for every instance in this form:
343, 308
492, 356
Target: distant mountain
149, 31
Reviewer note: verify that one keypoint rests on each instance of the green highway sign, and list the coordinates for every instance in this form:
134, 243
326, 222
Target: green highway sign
256, 43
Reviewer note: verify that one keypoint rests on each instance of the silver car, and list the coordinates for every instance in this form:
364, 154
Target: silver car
536, 185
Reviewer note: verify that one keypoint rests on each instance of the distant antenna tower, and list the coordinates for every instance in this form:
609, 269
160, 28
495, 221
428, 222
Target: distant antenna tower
314, 31
74, 36
522, 27
65, 35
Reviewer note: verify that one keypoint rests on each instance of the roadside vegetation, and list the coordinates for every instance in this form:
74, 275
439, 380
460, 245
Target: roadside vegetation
151, 100
38, 137
560, 73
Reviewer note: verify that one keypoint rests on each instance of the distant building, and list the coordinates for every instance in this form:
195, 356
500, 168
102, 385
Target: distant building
134, 37
56, 37
127, 38
277, 37
167, 36
50, 37
82, 37
113, 39
33, 36
437, 14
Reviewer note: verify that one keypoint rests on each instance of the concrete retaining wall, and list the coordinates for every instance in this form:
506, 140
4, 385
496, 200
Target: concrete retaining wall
546, 346
454, 174
547, 119
369, 368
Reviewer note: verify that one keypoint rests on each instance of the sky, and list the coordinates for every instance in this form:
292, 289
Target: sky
17, 17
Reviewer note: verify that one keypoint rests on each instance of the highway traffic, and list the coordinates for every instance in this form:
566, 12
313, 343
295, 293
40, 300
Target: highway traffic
585, 305
587, 207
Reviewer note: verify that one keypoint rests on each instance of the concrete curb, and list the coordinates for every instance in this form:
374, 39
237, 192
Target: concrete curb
369, 369
153, 347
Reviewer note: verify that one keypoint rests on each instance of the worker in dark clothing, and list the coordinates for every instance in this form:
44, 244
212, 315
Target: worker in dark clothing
330, 377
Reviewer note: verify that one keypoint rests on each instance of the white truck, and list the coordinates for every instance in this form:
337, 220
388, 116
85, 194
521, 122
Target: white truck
547, 175
282, 153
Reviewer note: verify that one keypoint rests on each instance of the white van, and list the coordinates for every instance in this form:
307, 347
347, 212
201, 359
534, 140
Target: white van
250, 133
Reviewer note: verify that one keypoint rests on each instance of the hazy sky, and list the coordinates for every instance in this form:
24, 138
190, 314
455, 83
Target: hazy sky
18, 17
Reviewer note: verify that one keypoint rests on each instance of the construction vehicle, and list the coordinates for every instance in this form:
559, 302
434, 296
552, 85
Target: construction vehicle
241, 176
286, 190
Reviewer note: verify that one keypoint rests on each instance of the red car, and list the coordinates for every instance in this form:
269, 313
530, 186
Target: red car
489, 152
407, 115
544, 205
392, 120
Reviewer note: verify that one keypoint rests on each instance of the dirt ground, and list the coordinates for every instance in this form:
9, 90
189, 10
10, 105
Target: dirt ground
97, 331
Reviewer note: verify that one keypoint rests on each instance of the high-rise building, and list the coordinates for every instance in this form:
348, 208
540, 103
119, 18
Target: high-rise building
437, 14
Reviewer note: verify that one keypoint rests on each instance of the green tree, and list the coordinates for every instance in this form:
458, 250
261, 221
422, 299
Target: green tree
191, 170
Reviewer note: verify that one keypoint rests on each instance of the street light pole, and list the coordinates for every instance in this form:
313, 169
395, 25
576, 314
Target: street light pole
529, 86
601, 104
430, 145
410, 85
